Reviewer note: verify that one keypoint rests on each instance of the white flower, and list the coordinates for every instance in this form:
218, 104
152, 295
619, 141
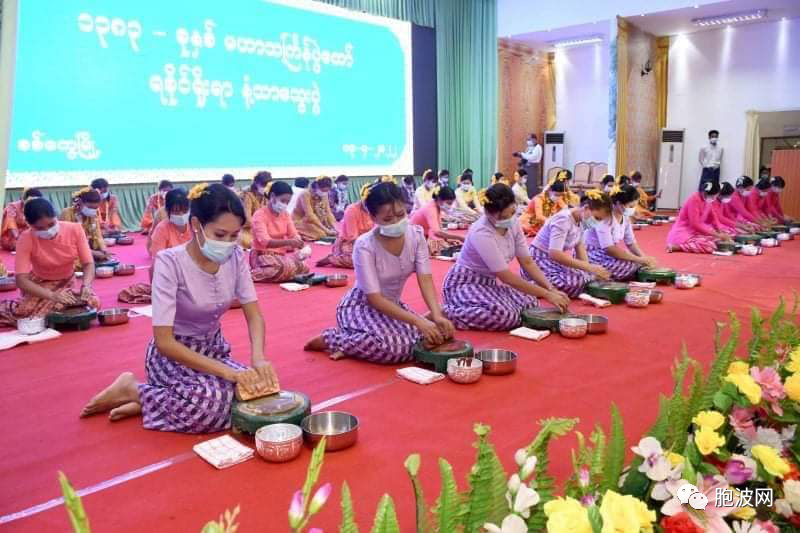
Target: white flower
526, 498
511, 524
767, 437
529, 467
648, 446
783, 508
520, 456
791, 492
747, 527
656, 466
513, 484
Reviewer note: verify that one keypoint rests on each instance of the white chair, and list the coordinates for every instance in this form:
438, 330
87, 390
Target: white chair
598, 171
581, 175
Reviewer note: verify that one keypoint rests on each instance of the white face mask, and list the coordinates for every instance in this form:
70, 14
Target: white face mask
726, 200
629, 211
466, 187
506, 223
49, 233
762, 194
106, 195
217, 251
589, 223
429, 185
553, 197
342, 186
279, 207
88, 212
260, 189
745, 192
710, 199
777, 190
447, 208
398, 229
608, 188
713, 142
179, 220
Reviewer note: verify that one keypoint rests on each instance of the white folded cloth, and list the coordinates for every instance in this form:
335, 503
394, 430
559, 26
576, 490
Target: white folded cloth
294, 287
324, 243
223, 452
717, 252
749, 249
419, 375
444, 258
597, 302
530, 334
145, 310
642, 284
304, 252
10, 339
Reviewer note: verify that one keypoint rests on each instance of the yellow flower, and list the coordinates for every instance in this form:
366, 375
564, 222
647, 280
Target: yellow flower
482, 197
675, 459
625, 514
566, 515
709, 419
792, 386
794, 361
744, 513
197, 191
747, 386
770, 460
738, 367
707, 440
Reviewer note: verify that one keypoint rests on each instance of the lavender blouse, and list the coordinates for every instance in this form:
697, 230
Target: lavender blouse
190, 299
487, 252
609, 232
378, 270
560, 232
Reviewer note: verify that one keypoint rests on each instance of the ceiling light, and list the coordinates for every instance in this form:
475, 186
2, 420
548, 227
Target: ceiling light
576, 41
734, 18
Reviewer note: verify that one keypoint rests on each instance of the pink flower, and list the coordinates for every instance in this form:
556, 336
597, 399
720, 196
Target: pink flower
583, 477
771, 387
319, 499
588, 500
741, 420
768, 526
713, 519
315, 530
296, 509
740, 469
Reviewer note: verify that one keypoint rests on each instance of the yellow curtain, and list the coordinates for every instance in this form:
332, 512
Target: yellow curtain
752, 144
622, 94
662, 80
550, 93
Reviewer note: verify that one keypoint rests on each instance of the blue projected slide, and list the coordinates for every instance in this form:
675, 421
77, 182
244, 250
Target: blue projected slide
188, 90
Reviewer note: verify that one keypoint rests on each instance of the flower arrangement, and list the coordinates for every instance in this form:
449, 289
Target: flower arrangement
728, 434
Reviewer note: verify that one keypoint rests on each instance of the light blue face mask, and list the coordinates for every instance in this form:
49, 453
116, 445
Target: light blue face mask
589, 223
179, 220
88, 212
507, 223
217, 251
398, 229
49, 233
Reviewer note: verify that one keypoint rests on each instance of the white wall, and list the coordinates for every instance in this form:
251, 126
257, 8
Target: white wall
582, 102
715, 76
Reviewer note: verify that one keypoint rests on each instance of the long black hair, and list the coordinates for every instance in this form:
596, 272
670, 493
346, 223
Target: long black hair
214, 201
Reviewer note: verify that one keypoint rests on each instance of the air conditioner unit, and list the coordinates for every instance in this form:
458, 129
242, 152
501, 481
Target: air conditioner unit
670, 169
553, 152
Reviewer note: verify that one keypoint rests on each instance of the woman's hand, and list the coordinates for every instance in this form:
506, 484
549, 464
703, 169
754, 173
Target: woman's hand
559, 299
445, 326
99, 255
86, 293
295, 243
430, 332
599, 271
248, 379
65, 297
332, 233
266, 374
649, 262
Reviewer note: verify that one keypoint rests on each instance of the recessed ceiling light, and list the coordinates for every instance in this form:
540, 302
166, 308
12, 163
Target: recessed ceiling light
577, 41
733, 18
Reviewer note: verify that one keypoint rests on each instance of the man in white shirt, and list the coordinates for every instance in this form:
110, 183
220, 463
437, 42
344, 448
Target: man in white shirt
711, 159
299, 185
529, 160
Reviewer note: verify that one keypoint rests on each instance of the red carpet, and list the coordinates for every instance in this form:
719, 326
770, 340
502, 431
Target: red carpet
45, 386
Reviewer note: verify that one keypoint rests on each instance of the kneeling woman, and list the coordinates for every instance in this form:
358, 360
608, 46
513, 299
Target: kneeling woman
610, 242
356, 222
690, 233
371, 322
542, 206
14, 220
430, 219
473, 298
312, 215
190, 372
275, 256
84, 212
45, 266
559, 251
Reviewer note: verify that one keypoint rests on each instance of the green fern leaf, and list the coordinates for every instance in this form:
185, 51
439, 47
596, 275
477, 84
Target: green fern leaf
615, 455
696, 392
77, 516
412, 465
756, 331
386, 517
348, 524
661, 425
719, 367
487, 480
448, 505
312, 475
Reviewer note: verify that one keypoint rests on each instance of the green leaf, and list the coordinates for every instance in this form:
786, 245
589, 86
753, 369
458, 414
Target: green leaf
722, 402
692, 454
448, 505
636, 483
386, 517
689, 473
615, 455
595, 519
312, 476
412, 465
661, 425
348, 524
722, 359
707, 469
77, 516
487, 480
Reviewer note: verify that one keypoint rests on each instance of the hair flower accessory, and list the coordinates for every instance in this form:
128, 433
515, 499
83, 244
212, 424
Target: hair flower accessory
389, 179
594, 194
365, 190
197, 191
483, 198
79, 192
320, 178
561, 176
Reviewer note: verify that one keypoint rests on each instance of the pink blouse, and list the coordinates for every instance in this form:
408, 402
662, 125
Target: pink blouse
560, 232
753, 204
378, 270
610, 232
428, 218
487, 252
772, 206
736, 209
190, 299
716, 217
691, 221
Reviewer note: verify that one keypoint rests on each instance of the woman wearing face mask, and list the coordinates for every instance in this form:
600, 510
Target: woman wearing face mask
756, 203
372, 323
190, 372
610, 242
409, 189
467, 202
45, 266
155, 205
473, 298
424, 193
690, 233
646, 201
559, 251
444, 178
772, 202
543, 206
715, 215
312, 215
339, 198
14, 219
84, 211
108, 210
606, 184
737, 207
253, 199
277, 248
430, 219
230, 182
356, 222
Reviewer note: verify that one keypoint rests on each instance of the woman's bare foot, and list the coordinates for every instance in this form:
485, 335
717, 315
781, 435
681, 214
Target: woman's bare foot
124, 390
325, 261
317, 344
125, 411
335, 356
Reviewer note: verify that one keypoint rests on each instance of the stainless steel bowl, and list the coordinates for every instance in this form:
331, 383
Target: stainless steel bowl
339, 428
572, 328
104, 272
113, 317
31, 326
279, 443
125, 270
458, 371
336, 280
595, 323
497, 362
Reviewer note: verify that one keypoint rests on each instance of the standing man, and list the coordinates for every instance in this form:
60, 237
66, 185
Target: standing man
711, 159
529, 161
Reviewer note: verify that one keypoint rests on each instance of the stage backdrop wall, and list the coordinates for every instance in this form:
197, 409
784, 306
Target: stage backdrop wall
715, 76
582, 100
